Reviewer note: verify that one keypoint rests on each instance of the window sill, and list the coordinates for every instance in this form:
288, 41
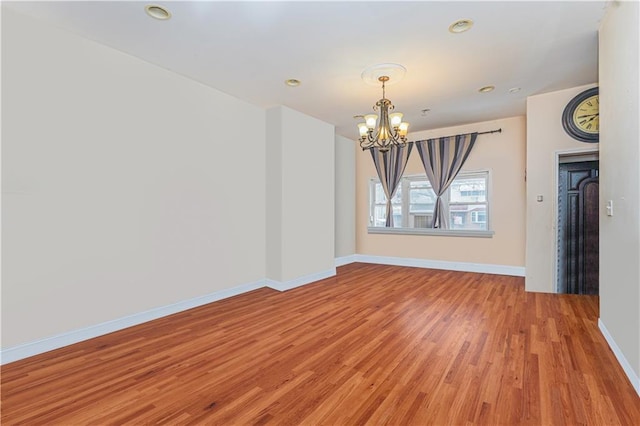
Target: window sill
424, 231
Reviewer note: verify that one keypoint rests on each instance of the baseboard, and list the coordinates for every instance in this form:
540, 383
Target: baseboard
345, 260
485, 268
64, 339
58, 341
300, 281
628, 370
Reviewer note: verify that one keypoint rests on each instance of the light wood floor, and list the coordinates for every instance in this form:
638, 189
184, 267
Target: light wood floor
374, 345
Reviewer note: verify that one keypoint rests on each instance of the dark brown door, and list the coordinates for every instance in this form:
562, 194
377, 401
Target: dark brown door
578, 228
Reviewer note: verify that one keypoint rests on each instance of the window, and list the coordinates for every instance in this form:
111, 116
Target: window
466, 203
479, 217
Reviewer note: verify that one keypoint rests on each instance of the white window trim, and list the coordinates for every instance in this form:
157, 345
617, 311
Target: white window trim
427, 231
435, 232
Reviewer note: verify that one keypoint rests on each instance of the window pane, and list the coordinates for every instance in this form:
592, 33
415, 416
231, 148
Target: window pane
379, 217
419, 183
469, 190
397, 215
382, 199
468, 216
397, 197
422, 199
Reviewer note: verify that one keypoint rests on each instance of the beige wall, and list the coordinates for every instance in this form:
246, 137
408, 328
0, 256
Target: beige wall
503, 154
125, 186
545, 139
620, 182
345, 193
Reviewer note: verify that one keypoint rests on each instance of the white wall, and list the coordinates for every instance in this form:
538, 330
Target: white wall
125, 186
300, 201
345, 193
545, 138
620, 182
273, 185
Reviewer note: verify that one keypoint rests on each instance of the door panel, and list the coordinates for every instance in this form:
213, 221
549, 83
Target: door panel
590, 235
578, 228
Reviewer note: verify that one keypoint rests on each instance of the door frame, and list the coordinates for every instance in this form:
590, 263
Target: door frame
589, 154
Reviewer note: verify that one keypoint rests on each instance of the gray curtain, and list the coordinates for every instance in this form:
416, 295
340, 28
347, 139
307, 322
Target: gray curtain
442, 160
390, 166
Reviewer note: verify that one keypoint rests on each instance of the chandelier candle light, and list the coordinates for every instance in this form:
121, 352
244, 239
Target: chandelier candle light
385, 130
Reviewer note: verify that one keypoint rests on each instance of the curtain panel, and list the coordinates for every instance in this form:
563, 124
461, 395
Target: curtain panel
442, 159
390, 165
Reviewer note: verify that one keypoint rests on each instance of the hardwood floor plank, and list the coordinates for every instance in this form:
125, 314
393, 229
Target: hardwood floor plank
374, 345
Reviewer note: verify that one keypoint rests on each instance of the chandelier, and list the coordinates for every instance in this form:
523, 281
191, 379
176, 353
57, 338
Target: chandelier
383, 130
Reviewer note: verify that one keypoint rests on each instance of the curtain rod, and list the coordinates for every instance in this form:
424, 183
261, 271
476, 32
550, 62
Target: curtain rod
490, 131
480, 133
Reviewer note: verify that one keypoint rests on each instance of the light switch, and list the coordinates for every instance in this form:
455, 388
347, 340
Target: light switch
610, 208
539, 198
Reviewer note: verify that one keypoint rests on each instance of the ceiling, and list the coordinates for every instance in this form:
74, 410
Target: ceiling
248, 50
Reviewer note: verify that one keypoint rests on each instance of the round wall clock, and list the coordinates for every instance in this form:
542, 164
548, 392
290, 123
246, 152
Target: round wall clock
581, 116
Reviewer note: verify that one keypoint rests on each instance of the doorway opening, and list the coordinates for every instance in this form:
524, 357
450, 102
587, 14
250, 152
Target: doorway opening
578, 240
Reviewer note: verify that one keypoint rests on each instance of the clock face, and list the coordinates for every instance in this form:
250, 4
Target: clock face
581, 116
586, 115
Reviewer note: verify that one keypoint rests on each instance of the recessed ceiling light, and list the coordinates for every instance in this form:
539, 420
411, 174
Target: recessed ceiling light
292, 82
157, 12
486, 89
514, 90
460, 26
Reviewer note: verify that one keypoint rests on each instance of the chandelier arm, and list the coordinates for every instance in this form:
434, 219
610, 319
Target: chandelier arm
367, 143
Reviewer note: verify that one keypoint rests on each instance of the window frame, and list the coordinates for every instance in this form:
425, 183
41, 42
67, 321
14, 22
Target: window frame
405, 199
